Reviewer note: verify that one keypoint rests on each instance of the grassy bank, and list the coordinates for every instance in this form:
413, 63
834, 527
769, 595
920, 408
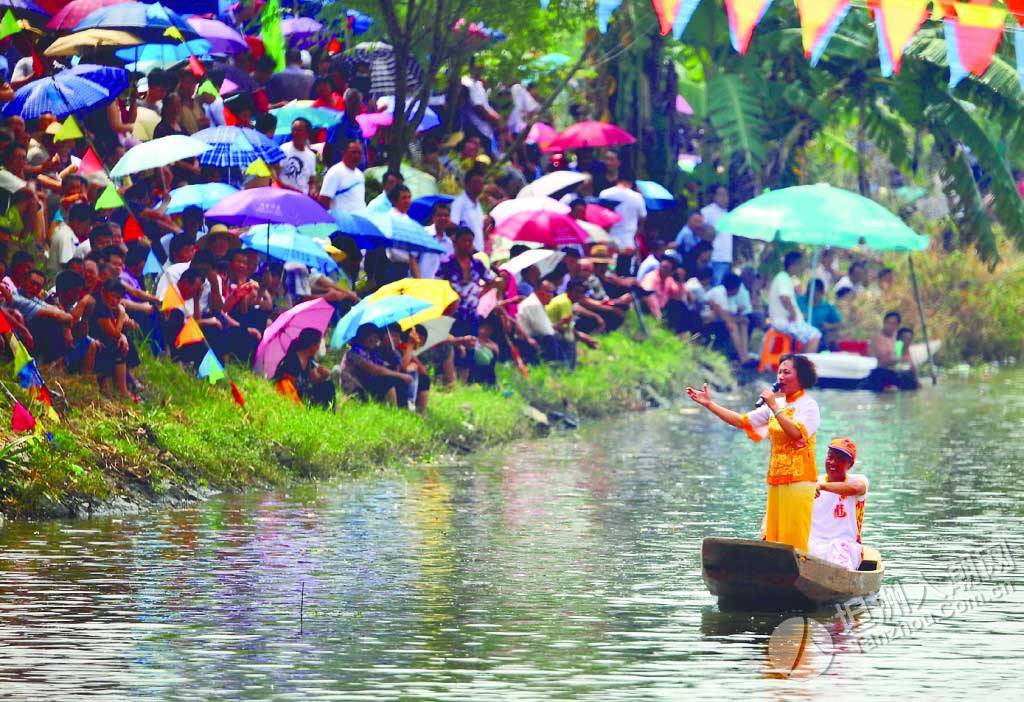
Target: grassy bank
189, 436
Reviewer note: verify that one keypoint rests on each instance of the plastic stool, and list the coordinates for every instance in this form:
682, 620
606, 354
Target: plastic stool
775, 346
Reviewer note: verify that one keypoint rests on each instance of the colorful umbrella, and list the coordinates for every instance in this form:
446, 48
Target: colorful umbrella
159, 152
438, 330
237, 146
544, 259
439, 293
318, 117
547, 228
595, 234
70, 91
366, 234
278, 338
371, 122
298, 28
588, 135
420, 184
223, 39
149, 21
90, 39
402, 232
380, 57
507, 208
68, 17
541, 134
268, 206
821, 215
656, 197
601, 216
204, 196
286, 243
552, 183
146, 57
380, 313
422, 208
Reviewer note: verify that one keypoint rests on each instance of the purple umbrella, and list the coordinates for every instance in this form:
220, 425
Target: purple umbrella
297, 28
248, 208
223, 39
278, 338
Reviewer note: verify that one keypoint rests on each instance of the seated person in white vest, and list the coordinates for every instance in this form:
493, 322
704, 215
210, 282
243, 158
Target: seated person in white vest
838, 513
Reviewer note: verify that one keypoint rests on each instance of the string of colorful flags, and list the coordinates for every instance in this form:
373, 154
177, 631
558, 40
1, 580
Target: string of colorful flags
973, 31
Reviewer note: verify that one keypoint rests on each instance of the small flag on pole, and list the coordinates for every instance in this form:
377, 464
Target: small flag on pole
189, 334
172, 298
69, 131
211, 367
110, 199
9, 25
258, 168
21, 418
90, 162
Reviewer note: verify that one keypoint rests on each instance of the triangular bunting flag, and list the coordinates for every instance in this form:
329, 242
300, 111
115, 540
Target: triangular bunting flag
5, 324
152, 266
743, 17
972, 38
196, 66
172, 298
819, 20
69, 131
42, 395
259, 168
1017, 8
132, 230
174, 33
683, 17
211, 368
52, 415
28, 377
90, 162
9, 25
673, 15
605, 8
896, 22
208, 88
189, 334
20, 353
334, 46
236, 394
21, 418
110, 199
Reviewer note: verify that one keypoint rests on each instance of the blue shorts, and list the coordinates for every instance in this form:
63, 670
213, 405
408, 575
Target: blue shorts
801, 331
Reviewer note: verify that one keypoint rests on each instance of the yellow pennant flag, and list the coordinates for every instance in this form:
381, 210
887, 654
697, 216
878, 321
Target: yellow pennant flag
69, 131
172, 299
189, 334
258, 168
174, 33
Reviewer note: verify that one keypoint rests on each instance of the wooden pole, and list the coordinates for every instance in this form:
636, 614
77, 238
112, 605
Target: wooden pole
924, 325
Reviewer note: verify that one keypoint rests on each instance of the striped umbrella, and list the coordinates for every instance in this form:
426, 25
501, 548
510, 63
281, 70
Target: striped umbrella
237, 147
381, 59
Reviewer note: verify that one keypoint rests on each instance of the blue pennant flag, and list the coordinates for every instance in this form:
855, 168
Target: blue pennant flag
152, 266
211, 368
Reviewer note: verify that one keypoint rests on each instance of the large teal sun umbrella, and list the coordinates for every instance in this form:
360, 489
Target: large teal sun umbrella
380, 313
821, 215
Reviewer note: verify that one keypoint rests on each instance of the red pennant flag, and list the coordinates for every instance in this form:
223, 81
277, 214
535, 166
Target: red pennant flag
1017, 8
334, 46
237, 395
90, 162
196, 66
5, 325
41, 394
132, 230
22, 419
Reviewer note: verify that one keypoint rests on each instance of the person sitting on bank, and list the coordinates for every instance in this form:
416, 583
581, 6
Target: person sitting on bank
887, 377
729, 317
785, 316
366, 362
839, 502
299, 376
791, 426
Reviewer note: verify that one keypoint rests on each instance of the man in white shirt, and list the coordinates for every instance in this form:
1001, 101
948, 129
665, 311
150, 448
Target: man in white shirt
524, 107
854, 280
466, 210
721, 252
478, 110
299, 165
631, 208
67, 235
783, 311
729, 311
430, 261
827, 271
344, 187
838, 514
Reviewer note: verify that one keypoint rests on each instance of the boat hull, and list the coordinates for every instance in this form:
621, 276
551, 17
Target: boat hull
761, 575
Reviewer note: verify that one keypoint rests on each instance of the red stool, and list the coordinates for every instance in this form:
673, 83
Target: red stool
775, 346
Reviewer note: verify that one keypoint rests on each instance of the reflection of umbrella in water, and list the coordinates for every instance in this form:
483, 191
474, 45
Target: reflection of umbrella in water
439, 293
380, 57
70, 91
278, 338
379, 313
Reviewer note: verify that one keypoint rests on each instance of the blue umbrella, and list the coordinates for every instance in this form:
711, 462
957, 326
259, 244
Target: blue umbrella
146, 21
656, 196
73, 90
194, 7
380, 313
318, 117
367, 235
204, 196
402, 232
284, 242
162, 55
237, 146
422, 208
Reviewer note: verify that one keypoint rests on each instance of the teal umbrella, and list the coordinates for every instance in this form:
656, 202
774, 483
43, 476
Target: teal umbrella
380, 312
318, 117
821, 215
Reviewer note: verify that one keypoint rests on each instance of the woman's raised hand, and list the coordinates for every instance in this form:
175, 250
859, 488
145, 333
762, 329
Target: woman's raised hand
701, 397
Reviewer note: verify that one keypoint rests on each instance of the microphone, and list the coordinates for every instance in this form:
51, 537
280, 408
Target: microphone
760, 400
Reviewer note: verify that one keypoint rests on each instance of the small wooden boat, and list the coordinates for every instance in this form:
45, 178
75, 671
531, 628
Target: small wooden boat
851, 371
762, 575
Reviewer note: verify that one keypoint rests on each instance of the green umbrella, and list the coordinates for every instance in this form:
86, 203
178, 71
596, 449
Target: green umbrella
420, 184
820, 215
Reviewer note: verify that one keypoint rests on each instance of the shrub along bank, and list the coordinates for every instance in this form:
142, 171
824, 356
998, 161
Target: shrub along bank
189, 437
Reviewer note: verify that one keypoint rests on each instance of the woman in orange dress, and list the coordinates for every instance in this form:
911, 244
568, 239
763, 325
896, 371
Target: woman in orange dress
790, 419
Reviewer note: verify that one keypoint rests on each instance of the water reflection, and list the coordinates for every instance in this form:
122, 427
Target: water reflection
568, 567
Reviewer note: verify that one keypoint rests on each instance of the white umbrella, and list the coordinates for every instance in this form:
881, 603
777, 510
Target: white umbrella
437, 331
159, 152
506, 208
551, 183
596, 235
544, 259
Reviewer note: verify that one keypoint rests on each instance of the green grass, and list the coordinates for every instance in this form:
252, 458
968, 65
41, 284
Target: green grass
191, 433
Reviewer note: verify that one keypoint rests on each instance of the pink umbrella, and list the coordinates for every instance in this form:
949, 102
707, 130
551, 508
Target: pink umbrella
508, 208
682, 106
76, 10
541, 134
584, 135
547, 228
312, 314
371, 122
601, 216
223, 39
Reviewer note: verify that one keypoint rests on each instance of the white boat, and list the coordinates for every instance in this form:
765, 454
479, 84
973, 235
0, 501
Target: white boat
851, 371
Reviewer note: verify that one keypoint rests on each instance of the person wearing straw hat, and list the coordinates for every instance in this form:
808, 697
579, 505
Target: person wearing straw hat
838, 515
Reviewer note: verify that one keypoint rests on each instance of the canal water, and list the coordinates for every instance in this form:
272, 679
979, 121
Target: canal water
562, 568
